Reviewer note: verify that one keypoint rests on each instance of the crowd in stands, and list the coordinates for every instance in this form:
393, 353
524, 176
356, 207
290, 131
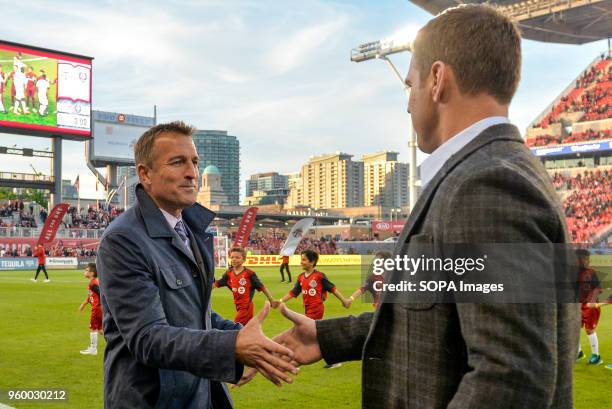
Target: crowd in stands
91, 218
13, 213
576, 137
59, 250
272, 242
587, 203
592, 95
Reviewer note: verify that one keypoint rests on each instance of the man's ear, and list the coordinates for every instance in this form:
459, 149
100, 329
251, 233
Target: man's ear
439, 77
143, 173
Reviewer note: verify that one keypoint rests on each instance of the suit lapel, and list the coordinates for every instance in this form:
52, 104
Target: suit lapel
178, 244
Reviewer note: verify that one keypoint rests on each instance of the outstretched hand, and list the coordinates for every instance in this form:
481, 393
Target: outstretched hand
301, 338
256, 350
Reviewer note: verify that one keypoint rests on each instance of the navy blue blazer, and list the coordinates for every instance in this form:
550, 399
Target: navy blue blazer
165, 347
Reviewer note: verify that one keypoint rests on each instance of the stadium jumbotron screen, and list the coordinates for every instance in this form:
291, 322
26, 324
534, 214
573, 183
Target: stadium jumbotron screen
44, 92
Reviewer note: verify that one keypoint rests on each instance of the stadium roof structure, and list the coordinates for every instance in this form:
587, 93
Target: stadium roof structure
551, 21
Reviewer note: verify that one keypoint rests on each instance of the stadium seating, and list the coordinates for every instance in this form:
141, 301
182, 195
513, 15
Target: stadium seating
587, 202
591, 98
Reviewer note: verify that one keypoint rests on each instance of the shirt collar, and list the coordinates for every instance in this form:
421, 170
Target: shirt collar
172, 221
436, 160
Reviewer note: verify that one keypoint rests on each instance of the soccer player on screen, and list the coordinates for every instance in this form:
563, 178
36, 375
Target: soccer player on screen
30, 88
93, 298
589, 288
243, 283
3, 80
42, 86
314, 286
19, 84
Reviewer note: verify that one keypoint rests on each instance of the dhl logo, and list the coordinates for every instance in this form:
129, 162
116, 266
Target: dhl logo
263, 260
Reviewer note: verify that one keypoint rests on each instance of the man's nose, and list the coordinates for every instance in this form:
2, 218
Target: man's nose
191, 171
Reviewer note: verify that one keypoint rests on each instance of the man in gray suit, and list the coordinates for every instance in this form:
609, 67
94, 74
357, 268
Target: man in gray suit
481, 184
166, 348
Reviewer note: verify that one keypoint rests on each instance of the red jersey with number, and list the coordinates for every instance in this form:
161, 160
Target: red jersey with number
94, 294
313, 288
243, 286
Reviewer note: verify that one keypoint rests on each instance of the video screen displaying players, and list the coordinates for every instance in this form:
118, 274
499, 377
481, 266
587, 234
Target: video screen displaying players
44, 91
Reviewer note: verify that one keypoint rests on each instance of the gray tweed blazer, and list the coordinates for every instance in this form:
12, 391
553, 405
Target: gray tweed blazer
460, 356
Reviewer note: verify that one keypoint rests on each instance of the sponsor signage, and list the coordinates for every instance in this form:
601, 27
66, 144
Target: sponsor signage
18, 264
567, 150
62, 262
261, 260
387, 226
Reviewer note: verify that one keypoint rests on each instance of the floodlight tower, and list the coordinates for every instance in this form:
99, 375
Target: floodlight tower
380, 50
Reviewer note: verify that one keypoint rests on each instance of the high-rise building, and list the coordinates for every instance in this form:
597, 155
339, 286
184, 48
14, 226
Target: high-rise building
221, 150
294, 183
385, 180
265, 182
332, 181
131, 180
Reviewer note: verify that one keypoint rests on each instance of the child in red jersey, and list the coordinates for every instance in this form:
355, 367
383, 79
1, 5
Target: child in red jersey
314, 285
243, 283
588, 289
93, 298
373, 283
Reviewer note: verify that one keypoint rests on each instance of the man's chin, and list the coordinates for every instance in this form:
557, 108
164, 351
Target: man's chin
188, 200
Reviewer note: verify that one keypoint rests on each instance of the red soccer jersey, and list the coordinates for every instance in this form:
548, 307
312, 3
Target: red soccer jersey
285, 259
94, 294
40, 253
31, 78
588, 285
314, 290
243, 285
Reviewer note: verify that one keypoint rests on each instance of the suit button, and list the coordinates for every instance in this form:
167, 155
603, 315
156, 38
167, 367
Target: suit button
179, 281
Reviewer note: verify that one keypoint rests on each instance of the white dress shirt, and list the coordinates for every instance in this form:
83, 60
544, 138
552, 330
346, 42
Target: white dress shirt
438, 158
172, 221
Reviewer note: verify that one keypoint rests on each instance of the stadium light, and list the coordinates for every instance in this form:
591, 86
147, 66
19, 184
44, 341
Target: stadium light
398, 42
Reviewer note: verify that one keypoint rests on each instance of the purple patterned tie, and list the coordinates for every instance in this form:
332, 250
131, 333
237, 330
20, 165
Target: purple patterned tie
179, 228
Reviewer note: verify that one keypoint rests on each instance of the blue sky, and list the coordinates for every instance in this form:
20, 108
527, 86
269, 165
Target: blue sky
276, 74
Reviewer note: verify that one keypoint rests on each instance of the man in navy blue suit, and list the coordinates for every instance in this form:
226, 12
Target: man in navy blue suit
166, 348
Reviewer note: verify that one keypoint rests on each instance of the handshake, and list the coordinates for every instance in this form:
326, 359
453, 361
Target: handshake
277, 358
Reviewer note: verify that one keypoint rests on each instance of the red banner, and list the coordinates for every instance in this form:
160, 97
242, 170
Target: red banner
387, 225
47, 234
246, 225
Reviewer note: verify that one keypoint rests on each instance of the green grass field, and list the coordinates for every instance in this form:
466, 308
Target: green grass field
41, 333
